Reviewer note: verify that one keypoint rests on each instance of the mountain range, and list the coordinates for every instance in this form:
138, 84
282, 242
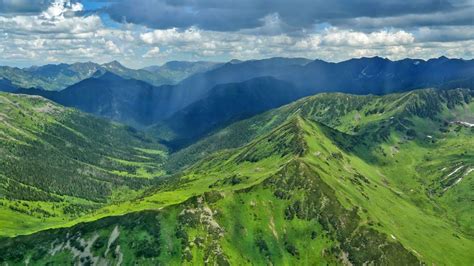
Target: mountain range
274, 161
332, 178
197, 102
55, 77
179, 70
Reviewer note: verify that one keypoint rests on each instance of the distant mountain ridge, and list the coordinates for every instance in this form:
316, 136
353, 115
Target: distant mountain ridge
106, 94
179, 70
59, 76
357, 76
126, 99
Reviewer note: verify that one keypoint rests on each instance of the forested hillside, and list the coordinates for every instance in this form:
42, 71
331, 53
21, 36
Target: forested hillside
332, 178
58, 163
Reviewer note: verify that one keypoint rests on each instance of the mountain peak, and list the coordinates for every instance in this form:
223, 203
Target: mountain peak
88, 63
113, 65
235, 61
284, 140
375, 58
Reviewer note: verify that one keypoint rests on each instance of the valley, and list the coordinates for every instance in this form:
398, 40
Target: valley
320, 179
158, 132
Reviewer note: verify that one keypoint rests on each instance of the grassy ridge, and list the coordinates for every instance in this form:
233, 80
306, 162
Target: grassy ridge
371, 181
236, 209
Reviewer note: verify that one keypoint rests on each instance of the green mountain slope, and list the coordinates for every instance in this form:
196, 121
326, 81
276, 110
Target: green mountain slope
416, 139
55, 77
58, 163
22, 78
222, 106
351, 114
329, 179
270, 201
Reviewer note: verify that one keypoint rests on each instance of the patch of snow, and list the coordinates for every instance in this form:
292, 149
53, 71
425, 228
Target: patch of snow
455, 170
55, 249
418, 254
469, 171
460, 179
119, 254
457, 181
345, 259
113, 236
272, 227
464, 123
86, 252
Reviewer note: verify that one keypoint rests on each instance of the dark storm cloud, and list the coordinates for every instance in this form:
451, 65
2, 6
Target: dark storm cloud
455, 17
445, 34
227, 15
23, 6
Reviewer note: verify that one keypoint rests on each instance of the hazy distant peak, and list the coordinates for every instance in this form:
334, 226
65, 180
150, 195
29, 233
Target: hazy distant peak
113, 65
235, 61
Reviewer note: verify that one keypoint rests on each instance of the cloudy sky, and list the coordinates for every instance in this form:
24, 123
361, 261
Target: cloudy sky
146, 32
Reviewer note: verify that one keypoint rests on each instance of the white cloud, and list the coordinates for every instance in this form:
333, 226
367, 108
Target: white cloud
337, 37
445, 33
152, 52
112, 47
60, 33
59, 9
171, 36
58, 18
243, 45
